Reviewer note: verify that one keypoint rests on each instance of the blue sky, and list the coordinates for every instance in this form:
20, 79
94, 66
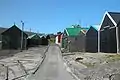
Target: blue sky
50, 16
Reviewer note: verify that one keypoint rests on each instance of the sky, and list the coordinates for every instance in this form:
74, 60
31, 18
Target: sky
52, 16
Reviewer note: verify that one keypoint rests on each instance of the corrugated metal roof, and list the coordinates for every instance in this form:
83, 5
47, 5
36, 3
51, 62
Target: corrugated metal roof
73, 31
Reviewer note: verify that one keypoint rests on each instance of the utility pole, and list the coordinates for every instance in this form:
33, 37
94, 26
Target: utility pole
22, 35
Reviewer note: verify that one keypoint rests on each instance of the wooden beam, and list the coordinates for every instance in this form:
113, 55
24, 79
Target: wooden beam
112, 27
106, 26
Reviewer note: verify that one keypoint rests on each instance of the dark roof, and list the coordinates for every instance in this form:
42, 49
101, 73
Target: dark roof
34, 36
96, 27
29, 33
92, 28
92, 32
2, 29
11, 28
52, 35
32, 33
26, 32
110, 19
115, 16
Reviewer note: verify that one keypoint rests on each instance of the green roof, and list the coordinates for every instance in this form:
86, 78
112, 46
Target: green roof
73, 31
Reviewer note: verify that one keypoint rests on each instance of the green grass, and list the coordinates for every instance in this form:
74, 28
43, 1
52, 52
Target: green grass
112, 58
87, 64
52, 40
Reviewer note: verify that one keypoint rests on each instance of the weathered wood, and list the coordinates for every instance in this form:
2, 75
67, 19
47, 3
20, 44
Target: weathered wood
117, 39
7, 73
98, 41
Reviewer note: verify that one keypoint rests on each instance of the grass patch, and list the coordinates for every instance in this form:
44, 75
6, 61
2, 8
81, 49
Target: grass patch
66, 54
88, 64
52, 40
112, 58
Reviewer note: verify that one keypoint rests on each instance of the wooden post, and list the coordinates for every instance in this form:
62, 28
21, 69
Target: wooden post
7, 73
22, 35
69, 45
98, 41
117, 39
25, 43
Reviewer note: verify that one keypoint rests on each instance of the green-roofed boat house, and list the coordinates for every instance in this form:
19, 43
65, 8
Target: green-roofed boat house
74, 39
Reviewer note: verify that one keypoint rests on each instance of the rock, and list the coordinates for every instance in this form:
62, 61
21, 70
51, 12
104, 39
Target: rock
115, 77
79, 58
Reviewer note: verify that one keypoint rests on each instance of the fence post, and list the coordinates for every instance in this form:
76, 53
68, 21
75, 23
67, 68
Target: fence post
6, 72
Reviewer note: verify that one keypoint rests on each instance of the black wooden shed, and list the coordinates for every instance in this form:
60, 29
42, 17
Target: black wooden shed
33, 40
91, 43
74, 39
109, 33
11, 38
